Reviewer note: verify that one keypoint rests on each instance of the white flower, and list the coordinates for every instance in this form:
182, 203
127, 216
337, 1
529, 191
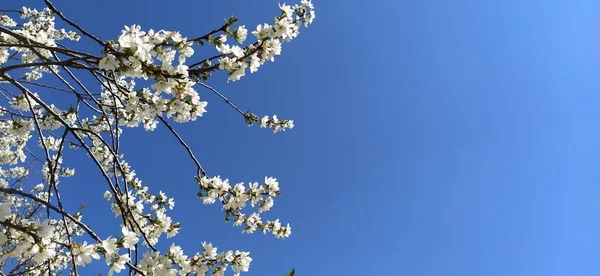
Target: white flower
241, 262
44, 255
222, 39
238, 73
129, 238
187, 51
286, 10
264, 121
267, 205
285, 29
241, 33
311, 18
237, 51
130, 37
172, 232
7, 21
284, 232
84, 254
4, 55
255, 62
209, 251
45, 229
110, 246
272, 185
35, 74
107, 195
307, 3
108, 63
263, 31
276, 225
274, 48
118, 264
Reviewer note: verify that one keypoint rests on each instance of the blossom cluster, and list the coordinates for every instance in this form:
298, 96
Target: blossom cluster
275, 124
286, 27
39, 29
140, 54
236, 197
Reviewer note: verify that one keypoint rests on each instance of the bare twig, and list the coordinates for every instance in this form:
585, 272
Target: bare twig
222, 97
201, 171
51, 6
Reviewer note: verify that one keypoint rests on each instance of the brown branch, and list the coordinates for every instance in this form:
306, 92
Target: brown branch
40, 64
51, 6
205, 37
208, 59
201, 171
34, 44
55, 88
198, 71
68, 52
222, 97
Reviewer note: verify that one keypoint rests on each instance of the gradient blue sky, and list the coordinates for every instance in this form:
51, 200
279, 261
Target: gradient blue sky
432, 137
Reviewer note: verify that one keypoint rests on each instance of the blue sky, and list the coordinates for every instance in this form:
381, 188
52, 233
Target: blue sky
432, 137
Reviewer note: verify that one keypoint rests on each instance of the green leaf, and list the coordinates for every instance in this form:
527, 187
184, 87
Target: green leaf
291, 273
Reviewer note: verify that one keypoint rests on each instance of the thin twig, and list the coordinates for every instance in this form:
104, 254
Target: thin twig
222, 97
51, 6
201, 171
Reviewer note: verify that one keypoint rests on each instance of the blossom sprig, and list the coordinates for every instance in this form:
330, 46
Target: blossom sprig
235, 199
273, 122
286, 27
152, 224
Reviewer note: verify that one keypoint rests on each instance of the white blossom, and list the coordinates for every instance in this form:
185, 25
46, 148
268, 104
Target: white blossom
209, 251
241, 34
84, 254
129, 238
118, 264
110, 247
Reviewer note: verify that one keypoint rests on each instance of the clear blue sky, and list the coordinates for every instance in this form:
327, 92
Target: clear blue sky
432, 137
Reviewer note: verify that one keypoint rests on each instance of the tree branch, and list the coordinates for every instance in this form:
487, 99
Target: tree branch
51, 6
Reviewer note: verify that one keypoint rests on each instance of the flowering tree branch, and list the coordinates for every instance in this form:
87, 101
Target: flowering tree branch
34, 63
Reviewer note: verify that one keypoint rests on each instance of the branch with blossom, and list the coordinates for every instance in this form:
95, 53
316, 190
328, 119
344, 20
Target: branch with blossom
145, 80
